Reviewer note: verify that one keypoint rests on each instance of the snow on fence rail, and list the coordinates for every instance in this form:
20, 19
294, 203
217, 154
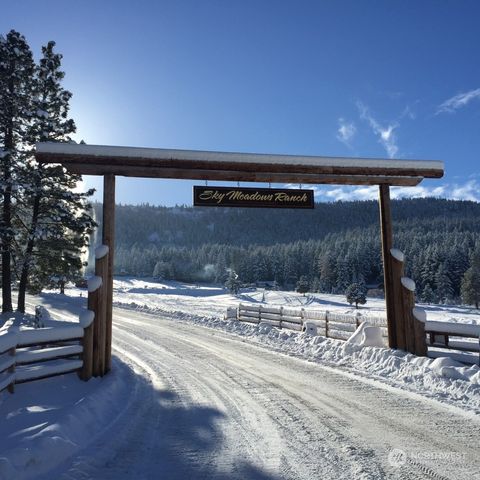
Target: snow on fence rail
46, 352
28, 355
456, 340
331, 325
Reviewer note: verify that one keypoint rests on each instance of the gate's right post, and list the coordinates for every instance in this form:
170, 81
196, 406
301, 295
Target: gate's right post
387, 245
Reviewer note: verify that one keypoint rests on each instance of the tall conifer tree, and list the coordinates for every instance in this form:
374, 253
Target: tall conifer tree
16, 111
56, 219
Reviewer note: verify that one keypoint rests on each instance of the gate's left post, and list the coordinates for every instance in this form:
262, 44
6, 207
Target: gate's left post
108, 239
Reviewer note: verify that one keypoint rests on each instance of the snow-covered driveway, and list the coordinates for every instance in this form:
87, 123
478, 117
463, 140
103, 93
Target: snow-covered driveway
211, 406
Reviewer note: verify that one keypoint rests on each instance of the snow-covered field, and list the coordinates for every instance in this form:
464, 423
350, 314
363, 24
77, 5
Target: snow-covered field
241, 401
170, 296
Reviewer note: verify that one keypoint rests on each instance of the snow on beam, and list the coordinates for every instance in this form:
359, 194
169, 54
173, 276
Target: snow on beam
36, 372
408, 283
7, 341
86, 318
50, 334
101, 251
397, 254
94, 284
420, 314
460, 329
101, 155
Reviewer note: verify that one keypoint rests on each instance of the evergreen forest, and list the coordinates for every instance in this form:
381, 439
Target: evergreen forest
333, 245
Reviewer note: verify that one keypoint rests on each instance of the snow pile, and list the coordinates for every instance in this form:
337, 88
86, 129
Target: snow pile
41, 316
367, 335
43, 428
441, 379
11, 321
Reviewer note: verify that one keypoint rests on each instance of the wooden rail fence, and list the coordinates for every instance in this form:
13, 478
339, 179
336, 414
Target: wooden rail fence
27, 355
328, 324
456, 340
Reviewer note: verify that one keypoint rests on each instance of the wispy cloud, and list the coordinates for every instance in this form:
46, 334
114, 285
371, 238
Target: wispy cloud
408, 112
346, 131
458, 101
469, 190
386, 134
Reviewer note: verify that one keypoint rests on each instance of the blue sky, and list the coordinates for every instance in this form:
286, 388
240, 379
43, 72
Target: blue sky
367, 78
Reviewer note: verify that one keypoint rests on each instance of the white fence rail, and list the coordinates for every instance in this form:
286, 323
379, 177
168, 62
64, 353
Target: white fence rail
331, 325
456, 340
27, 355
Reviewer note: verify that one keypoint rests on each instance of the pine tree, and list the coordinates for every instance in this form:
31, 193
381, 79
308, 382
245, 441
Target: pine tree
315, 285
233, 283
356, 293
16, 96
471, 281
160, 271
303, 285
444, 290
327, 270
56, 219
344, 274
427, 294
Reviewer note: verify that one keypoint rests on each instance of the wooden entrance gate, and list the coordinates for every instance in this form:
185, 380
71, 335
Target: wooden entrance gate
248, 167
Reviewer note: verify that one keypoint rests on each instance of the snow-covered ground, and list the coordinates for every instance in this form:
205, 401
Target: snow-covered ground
185, 401
205, 300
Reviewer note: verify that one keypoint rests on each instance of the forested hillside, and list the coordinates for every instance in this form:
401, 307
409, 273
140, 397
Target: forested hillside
333, 245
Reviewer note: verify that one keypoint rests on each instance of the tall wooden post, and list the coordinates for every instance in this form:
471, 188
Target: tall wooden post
408, 298
108, 238
100, 322
397, 263
387, 244
86, 371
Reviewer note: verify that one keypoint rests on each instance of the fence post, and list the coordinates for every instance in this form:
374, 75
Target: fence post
408, 304
281, 316
357, 319
259, 313
302, 316
397, 263
419, 319
11, 387
94, 304
100, 326
86, 321
326, 323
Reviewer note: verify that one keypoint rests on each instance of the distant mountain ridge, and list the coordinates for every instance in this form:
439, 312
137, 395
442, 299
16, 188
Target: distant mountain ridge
193, 226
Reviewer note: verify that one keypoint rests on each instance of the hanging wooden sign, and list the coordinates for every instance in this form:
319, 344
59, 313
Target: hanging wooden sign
252, 197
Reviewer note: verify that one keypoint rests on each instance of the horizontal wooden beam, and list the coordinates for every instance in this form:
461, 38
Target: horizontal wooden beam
238, 175
137, 162
145, 164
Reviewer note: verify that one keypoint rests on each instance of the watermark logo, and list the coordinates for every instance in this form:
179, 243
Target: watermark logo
397, 458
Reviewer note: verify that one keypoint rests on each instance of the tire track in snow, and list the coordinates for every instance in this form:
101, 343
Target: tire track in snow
401, 428
302, 432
